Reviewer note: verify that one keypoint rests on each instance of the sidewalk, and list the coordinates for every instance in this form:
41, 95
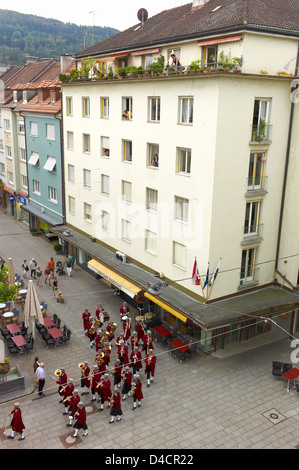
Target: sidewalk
221, 401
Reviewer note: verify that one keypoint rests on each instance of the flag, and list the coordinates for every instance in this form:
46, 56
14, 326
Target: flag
215, 273
207, 277
195, 274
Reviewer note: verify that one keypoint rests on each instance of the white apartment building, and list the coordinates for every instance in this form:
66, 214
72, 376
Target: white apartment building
223, 188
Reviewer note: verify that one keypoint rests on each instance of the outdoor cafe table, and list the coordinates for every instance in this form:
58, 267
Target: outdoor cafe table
2, 306
48, 322
13, 328
19, 340
23, 291
182, 348
291, 374
162, 332
56, 334
8, 314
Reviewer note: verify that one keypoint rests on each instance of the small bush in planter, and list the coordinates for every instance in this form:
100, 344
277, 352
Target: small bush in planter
33, 231
57, 247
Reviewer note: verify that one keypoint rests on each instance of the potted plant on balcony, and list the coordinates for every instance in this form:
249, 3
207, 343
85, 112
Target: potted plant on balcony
122, 72
110, 72
140, 71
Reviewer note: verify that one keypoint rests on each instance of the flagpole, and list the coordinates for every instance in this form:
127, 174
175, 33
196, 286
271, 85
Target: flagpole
216, 271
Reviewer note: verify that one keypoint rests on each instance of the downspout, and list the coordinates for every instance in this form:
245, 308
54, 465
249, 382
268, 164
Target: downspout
286, 169
61, 156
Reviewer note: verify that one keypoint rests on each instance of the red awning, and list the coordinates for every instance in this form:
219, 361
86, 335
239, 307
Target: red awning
208, 42
11, 191
148, 51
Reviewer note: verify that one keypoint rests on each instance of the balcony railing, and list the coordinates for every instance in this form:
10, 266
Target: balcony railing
261, 133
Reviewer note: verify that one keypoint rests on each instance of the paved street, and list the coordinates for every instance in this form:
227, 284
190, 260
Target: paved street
228, 401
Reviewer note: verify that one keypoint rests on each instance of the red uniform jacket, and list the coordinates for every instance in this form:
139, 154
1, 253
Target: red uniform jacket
122, 351
86, 372
106, 389
81, 415
137, 357
138, 391
147, 341
17, 422
127, 329
62, 380
116, 398
85, 317
117, 368
96, 378
73, 404
140, 330
152, 363
134, 342
127, 376
67, 391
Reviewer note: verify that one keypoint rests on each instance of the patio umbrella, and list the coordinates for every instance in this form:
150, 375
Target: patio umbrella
11, 273
32, 310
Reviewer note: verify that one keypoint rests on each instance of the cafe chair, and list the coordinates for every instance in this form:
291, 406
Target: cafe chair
6, 334
286, 366
42, 303
64, 330
58, 323
39, 326
46, 336
14, 310
277, 368
50, 340
297, 386
54, 318
66, 337
29, 346
13, 349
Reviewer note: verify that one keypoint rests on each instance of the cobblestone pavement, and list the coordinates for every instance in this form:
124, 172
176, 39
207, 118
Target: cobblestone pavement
209, 402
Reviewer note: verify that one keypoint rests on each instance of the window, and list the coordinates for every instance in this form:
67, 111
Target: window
50, 164
21, 127
127, 109
127, 150
252, 214
25, 96
70, 140
105, 183
154, 109
150, 242
87, 212
8, 151
186, 111
126, 191
71, 173
181, 209
52, 194
69, 106
86, 143
10, 177
34, 159
33, 129
105, 108
209, 55
260, 121
153, 155
177, 52
87, 178
183, 161
50, 132
151, 199
24, 181
2, 169
105, 146
125, 230
36, 187
22, 155
105, 220
248, 264
179, 255
6, 125
146, 61
72, 206
85, 107
256, 170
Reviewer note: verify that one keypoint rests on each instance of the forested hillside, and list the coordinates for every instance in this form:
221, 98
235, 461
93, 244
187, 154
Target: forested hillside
24, 35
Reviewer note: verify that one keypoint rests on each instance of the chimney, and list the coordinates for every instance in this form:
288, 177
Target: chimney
197, 4
65, 62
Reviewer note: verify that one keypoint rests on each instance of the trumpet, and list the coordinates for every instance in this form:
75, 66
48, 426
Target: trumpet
81, 365
99, 385
67, 398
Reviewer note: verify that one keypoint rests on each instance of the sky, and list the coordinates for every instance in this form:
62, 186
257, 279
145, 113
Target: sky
117, 14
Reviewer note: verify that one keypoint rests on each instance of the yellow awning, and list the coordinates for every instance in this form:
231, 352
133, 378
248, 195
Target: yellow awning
116, 279
166, 307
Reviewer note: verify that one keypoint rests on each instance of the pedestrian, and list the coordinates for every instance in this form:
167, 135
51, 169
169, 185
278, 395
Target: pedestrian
80, 415
47, 275
41, 377
55, 285
25, 268
137, 392
72, 260
39, 277
32, 266
36, 364
115, 403
51, 266
17, 424
69, 267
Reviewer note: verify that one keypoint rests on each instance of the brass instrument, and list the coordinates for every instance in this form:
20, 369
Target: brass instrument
67, 398
111, 401
81, 365
113, 326
57, 372
95, 325
99, 384
133, 390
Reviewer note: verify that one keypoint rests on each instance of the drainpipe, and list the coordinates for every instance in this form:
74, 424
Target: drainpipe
286, 168
61, 155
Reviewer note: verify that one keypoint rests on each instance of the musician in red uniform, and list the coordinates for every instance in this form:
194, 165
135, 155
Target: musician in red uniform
85, 380
73, 406
117, 368
85, 318
16, 423
120, 337
80, 415
140, 330
124, 310
127, 382
115, 403
67, 391
147, 342
62, 380
123, 352
134, 341
137, 392
100, 314
135, 360
98, 340
105, 391
150, 364
106, 349
127, 329
96, 377
101, 361
109, 333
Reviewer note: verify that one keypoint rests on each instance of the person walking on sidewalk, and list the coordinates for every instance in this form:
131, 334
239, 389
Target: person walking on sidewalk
51, 266
39, 277
32, 266
41, 377
25, 268
69, 267
17, 424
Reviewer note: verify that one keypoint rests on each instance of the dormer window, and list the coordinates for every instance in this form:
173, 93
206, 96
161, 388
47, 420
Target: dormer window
15, 96
25, 96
